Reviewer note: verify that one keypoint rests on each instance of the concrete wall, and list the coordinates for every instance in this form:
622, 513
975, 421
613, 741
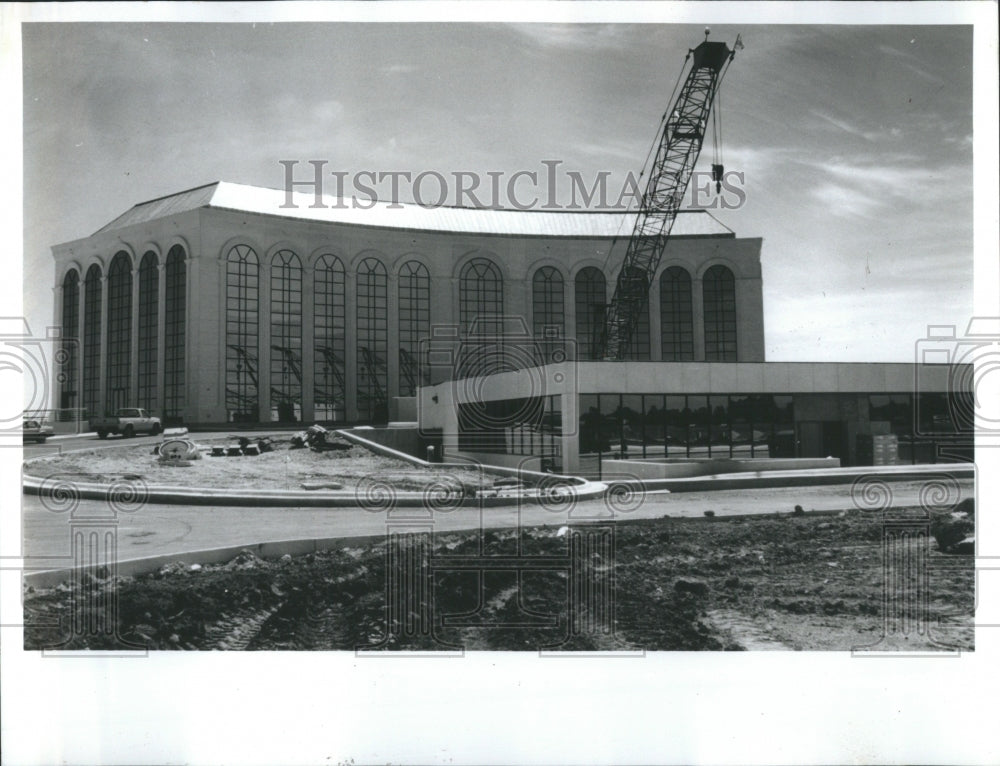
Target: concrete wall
403, 409
402, 439
653, 469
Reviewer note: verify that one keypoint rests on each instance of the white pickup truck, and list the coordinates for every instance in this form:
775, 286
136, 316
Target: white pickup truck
128, 422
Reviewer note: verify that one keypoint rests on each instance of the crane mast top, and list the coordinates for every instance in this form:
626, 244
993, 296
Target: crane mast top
677, 148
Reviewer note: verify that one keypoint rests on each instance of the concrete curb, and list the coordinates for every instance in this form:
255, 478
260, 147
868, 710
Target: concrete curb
132, 493
784, 479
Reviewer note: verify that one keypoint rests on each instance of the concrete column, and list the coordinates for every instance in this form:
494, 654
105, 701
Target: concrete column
55, 387
749, 320
570, 431
698, 318
392, 322
81, 302
308, 345
161, 336
133, 353
192, 311
350, 346
449, 440
222, 349
102, 371
572, 342
264, 342
655, 345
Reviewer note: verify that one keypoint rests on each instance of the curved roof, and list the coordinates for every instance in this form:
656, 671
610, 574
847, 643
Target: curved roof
223, 195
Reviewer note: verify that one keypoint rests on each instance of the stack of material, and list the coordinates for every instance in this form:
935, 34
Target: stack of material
317, 439
878, 449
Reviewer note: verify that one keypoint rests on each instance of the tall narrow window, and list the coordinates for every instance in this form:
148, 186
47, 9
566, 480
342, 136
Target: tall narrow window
329, 370
174, 320
638, 349
69, 359
548, 313
119, 332
242, 335
286, 337
149, 296
720, 315
480, 297
591, 299
480, 311
676, 324
92, 341
373, 340
414, 326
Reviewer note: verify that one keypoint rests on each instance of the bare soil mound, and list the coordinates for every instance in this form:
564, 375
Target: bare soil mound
807, 582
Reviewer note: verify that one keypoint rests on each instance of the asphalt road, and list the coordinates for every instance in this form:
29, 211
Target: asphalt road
159, 529
90, 441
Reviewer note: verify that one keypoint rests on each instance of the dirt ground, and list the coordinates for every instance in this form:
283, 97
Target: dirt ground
836, 581
283, 468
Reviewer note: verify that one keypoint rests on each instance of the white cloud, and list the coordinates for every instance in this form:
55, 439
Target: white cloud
841, 200
574, 36
399, 69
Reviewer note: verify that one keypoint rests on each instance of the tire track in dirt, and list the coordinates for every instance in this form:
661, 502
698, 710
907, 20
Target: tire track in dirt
236, 631
743, 631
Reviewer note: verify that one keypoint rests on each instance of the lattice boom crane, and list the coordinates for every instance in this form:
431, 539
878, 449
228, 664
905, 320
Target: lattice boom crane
677, 150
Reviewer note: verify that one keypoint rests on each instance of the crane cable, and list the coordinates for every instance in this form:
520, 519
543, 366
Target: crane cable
717, 126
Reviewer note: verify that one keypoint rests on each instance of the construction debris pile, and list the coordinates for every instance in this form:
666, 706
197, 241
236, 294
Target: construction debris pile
243, 445
318, 439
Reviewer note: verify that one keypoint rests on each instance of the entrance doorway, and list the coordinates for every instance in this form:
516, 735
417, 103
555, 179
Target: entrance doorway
823, 438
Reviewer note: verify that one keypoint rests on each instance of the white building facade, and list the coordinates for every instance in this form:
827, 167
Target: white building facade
236, 304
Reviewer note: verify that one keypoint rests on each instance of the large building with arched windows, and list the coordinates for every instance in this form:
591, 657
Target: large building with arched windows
232, 304
220, 304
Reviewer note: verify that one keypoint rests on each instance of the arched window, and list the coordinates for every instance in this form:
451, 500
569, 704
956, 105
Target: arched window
638, 350
591, 299
329, 367
480, 310
149, 296
92, 341
414, 326
480, 297
676, 323
286, 337
174, 321
720, 315
373, 340
69, 358
548, 313
119, 332
242, 335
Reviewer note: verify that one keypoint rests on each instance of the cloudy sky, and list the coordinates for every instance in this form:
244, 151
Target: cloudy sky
855, 142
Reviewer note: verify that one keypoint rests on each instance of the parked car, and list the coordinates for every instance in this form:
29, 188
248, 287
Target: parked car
128, 422
35, 431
